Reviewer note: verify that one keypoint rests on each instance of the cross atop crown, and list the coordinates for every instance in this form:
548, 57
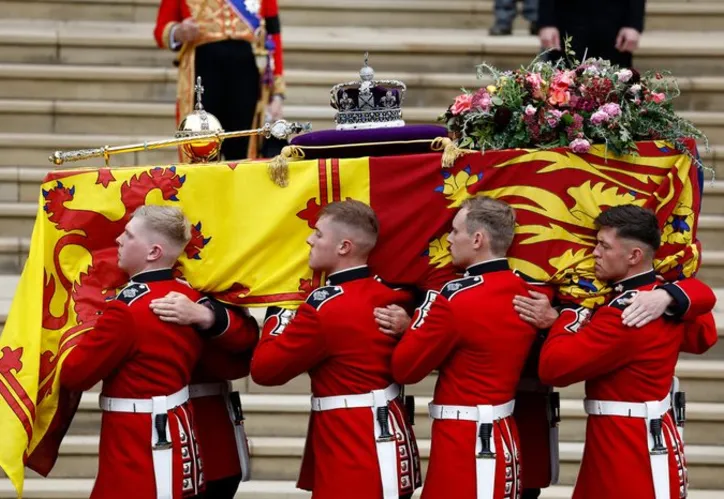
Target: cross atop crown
199, 89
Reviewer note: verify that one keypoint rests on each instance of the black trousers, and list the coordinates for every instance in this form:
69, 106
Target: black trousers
530, 494
231, 89
222, 489
594, 43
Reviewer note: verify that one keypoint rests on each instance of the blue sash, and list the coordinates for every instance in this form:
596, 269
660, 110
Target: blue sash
251, 18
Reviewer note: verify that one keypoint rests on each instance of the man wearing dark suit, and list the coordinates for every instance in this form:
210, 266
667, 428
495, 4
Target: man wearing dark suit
609, 29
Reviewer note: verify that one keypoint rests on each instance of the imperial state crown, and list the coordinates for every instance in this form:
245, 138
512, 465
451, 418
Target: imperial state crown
368, 103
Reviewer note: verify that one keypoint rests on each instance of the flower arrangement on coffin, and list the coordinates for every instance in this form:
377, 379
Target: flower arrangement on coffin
547, 104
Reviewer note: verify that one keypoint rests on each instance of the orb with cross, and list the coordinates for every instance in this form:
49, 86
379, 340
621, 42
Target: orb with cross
199, 123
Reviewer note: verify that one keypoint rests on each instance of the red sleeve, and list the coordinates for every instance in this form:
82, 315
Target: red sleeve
169, 14
234, 329
691, 298
577, 350
429, 339
284, 353
700, 334
270, 12
101, 350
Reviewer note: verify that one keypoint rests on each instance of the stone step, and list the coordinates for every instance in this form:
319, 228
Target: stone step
304, 87
80, 488
711, 231
712, 269
287, 416
145, 118
278, 458
341, 47
706, 15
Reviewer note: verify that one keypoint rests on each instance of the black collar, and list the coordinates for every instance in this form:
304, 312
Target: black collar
347, 275
488, 266
635, 282
153, 275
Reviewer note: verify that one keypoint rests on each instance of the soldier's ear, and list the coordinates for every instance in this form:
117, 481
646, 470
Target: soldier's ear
154, 253
345, 247
480, 239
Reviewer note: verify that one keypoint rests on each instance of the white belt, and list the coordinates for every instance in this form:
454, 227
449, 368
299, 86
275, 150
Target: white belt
162, 455
353, 401
145, 406
469, 413
482, 414
223, 388
649, 411
644, 410
386, 447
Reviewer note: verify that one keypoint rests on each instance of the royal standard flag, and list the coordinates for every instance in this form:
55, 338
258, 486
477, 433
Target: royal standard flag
249, 244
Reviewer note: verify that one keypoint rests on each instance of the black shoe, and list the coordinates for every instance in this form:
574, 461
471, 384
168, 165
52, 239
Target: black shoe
500, 31
534, 29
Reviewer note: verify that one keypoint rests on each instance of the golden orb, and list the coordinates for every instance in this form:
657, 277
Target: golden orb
199, 122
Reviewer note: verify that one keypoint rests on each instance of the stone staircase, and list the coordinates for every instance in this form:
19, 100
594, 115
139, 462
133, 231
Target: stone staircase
85, 73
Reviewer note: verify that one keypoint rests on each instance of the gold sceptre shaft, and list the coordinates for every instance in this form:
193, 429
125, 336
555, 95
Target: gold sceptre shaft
280, 129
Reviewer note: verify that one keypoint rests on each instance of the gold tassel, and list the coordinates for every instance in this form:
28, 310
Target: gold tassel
450, 152
279, 165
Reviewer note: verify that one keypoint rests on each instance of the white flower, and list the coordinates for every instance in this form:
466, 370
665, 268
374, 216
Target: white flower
635, 89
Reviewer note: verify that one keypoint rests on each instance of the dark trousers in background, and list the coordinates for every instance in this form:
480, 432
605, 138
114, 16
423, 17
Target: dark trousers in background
530, 494
594, 43
507, 10
231, 89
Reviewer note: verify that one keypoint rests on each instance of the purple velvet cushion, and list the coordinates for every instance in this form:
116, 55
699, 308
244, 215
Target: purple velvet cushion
379, 141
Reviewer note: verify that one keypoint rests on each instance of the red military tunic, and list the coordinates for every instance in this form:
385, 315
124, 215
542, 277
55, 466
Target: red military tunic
138, 356
227, 356
624, 364
472, 334
334, 337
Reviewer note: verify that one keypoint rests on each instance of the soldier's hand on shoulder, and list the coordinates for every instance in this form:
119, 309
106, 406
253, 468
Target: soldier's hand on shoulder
392, 320
645, 307
178, 308
535, 309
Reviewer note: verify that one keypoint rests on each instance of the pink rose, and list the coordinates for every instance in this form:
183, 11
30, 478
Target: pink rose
462, 103
558, 96
481, 100
624, 75
580, 146
563, 79
553, 117
530, 110
612, 109
599, 117
658, 97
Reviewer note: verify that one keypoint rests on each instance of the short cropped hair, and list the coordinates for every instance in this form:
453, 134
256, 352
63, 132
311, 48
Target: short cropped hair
168, 221
495, 217
357, 216
632, 222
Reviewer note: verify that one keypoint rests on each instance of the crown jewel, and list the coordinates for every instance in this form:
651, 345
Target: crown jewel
368, 103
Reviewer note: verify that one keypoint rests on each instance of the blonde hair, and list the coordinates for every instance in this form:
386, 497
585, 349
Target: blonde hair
168, 221
495, 217
357, 216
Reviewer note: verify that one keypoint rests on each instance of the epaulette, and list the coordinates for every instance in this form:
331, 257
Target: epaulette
527, 278
454, 287
320, 296
280, 317
132, 292
622, 300
583, 317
